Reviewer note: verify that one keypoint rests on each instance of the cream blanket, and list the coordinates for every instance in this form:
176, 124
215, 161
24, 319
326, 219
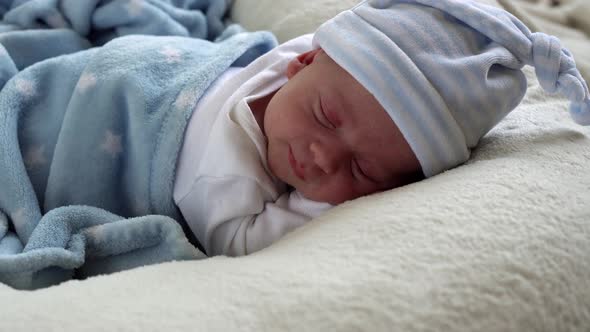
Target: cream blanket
499, 244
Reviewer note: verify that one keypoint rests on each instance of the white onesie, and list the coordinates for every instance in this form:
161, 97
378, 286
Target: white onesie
223, 186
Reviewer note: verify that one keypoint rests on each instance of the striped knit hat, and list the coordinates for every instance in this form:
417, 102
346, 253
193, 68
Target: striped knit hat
447, 71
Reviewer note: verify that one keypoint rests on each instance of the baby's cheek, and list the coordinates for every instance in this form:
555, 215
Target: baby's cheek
336, 192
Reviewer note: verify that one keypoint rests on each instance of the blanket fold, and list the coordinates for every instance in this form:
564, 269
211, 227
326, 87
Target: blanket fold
89, 138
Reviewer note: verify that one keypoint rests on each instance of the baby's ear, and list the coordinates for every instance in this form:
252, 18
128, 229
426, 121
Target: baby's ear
301, 61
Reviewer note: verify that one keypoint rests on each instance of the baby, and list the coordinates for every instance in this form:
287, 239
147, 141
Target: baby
382, 95
331, 142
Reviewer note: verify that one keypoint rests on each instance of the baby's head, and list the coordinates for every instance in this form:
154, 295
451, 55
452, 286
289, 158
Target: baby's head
397, 90
329, 138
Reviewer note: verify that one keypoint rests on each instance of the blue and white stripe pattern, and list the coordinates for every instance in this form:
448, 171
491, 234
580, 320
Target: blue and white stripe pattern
447, 71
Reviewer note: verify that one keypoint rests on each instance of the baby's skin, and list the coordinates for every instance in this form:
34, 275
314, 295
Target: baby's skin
328, 137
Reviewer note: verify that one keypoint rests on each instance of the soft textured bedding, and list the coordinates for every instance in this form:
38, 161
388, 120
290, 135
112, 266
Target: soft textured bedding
498, 244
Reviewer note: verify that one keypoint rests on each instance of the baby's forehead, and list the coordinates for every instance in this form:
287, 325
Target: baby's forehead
370, 126
346, 98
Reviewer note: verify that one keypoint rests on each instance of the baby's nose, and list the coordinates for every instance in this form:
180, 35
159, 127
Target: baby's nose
327, 157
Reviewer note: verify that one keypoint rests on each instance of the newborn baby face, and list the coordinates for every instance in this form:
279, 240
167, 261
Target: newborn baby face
329, 138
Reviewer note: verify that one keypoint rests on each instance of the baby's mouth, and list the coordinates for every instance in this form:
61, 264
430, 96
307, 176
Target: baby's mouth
297, 170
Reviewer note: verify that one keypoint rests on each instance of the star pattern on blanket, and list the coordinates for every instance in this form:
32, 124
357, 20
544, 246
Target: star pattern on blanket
34, 157
87, 80
185, 99
134, 7
172, 54
25, 87
18, 217
111, 144
101, 103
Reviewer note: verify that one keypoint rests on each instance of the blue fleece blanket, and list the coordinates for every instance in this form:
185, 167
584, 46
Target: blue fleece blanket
91, 122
